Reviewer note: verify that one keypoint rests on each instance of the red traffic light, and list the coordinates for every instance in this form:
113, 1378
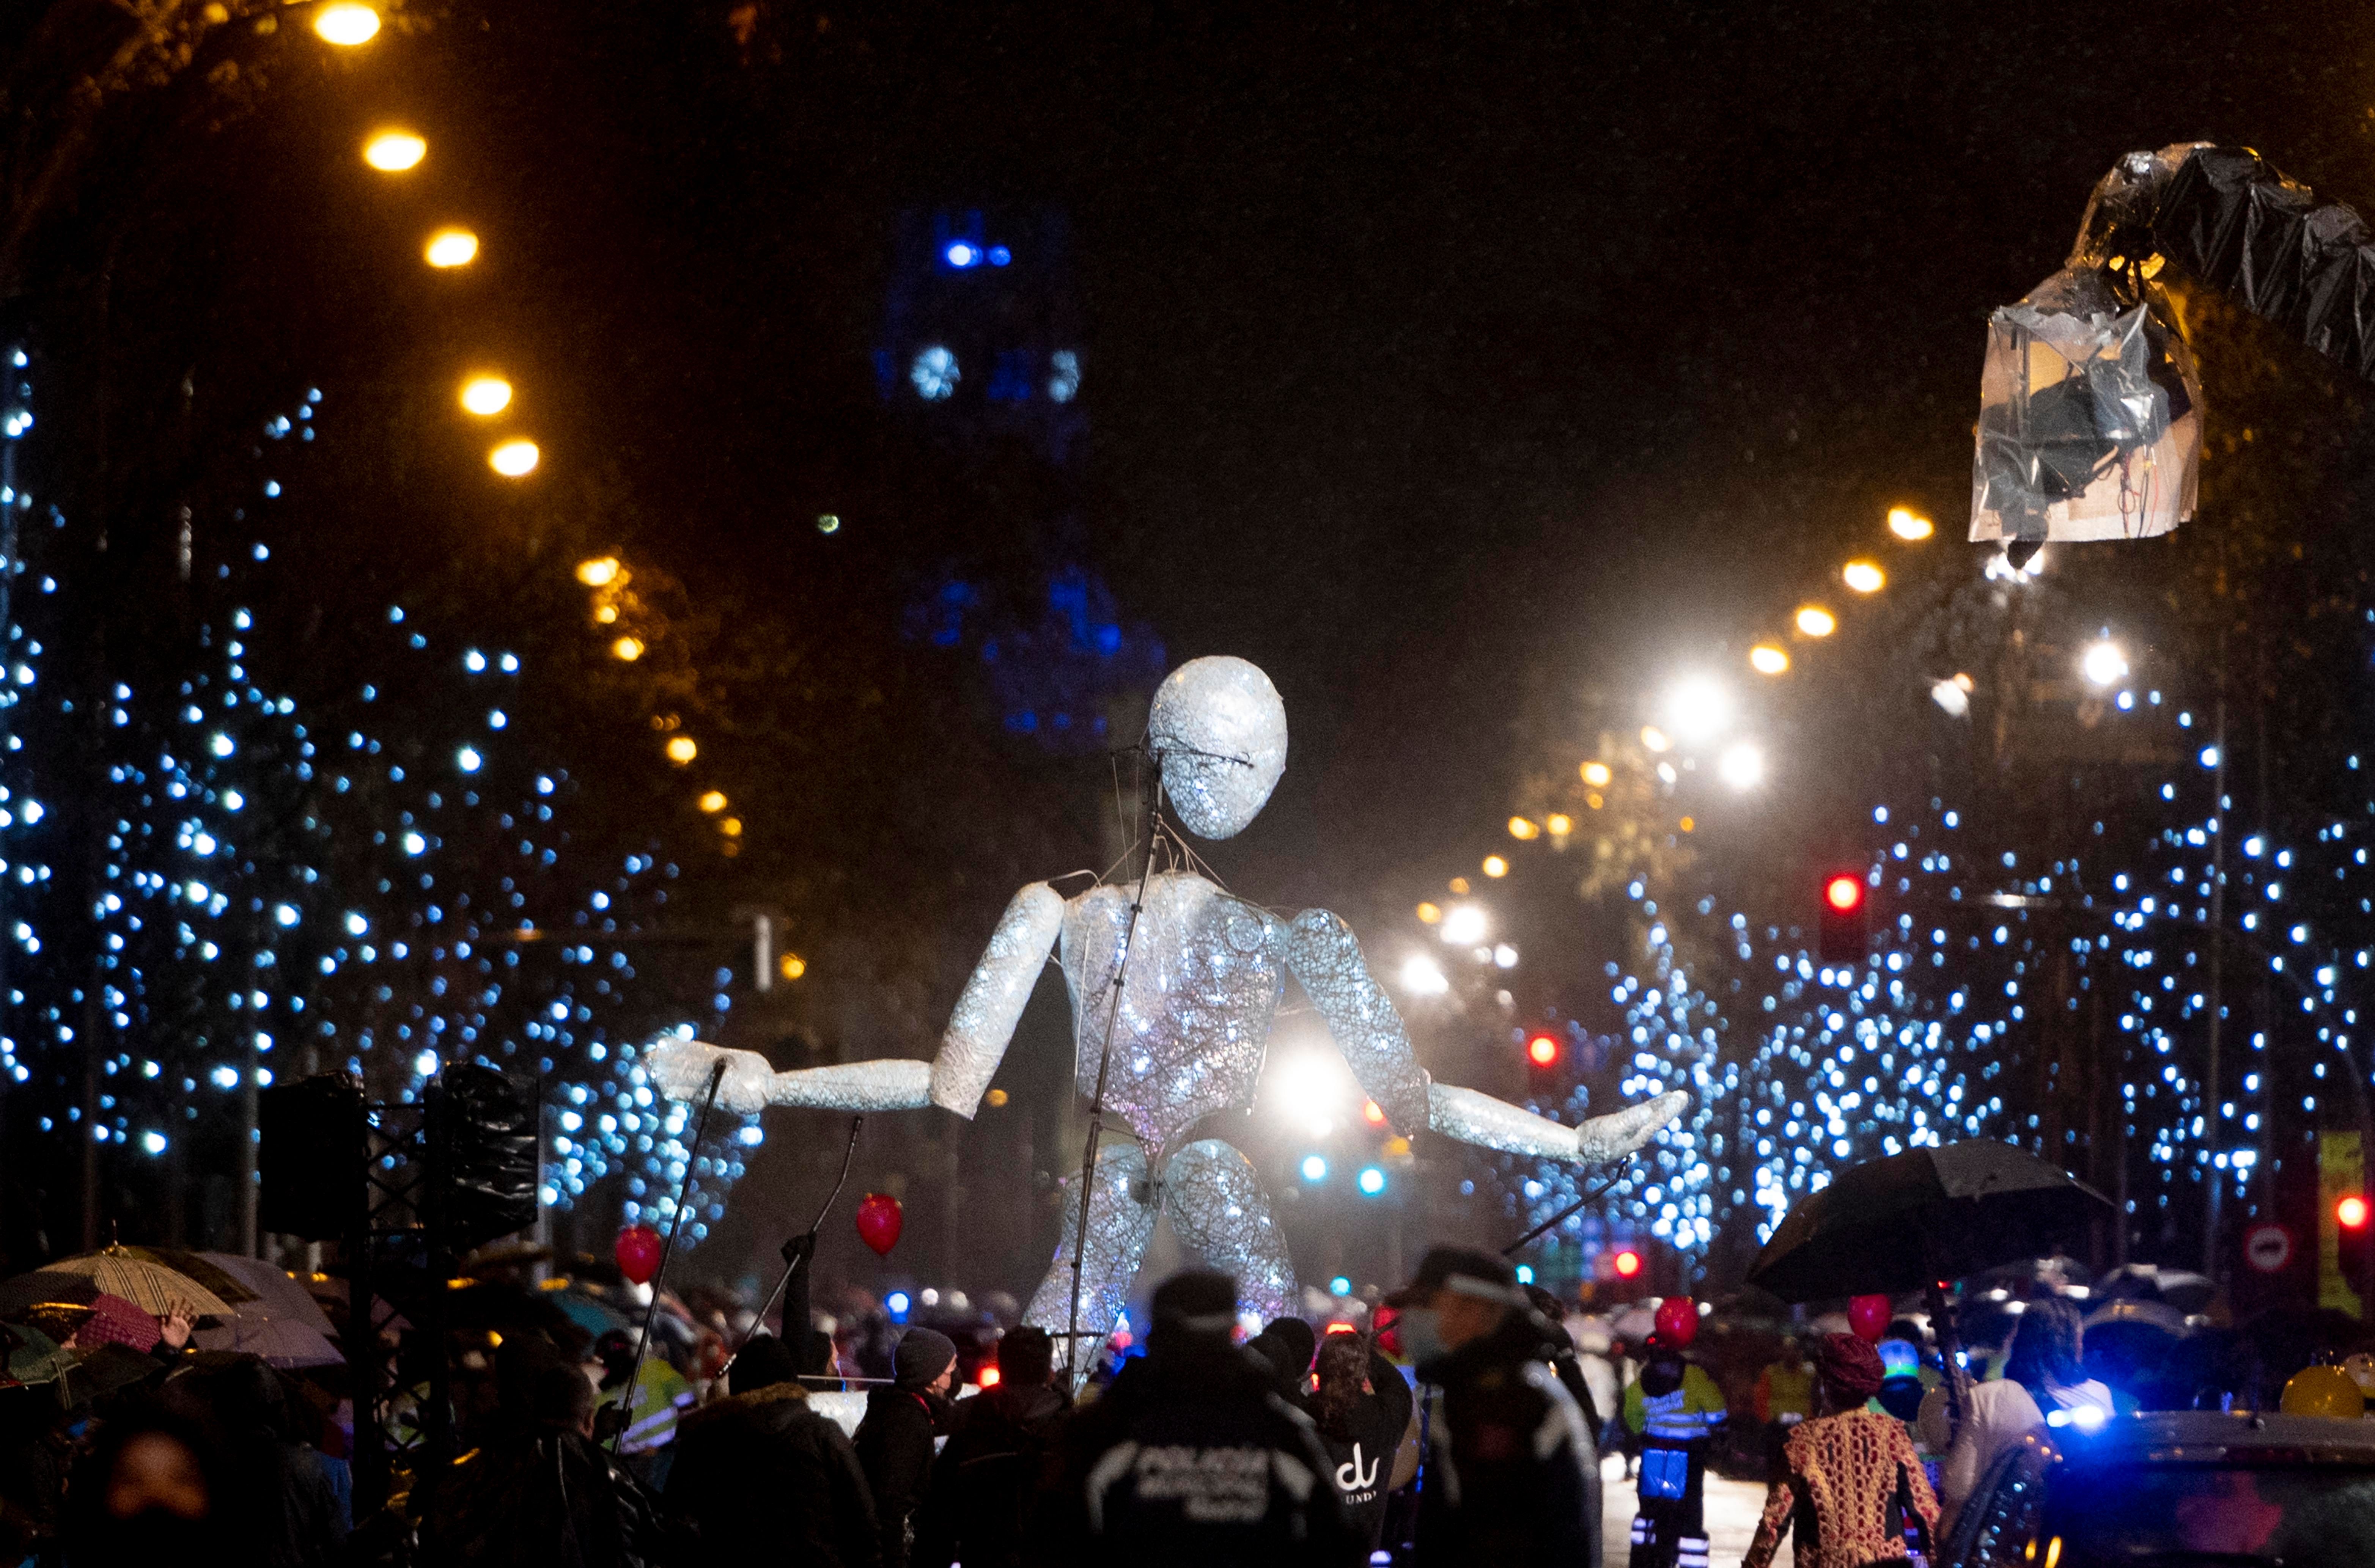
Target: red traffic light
2350, 1213
1543, 1049
1628, 1264
1843, 892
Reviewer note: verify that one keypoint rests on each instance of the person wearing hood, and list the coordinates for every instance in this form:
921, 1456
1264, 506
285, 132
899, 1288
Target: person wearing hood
1505, 1478
1287, 1344
1192, 1457
894, 1441
767, 1478
987, 1481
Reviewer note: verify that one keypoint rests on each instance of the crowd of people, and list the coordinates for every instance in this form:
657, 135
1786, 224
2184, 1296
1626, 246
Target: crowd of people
1464, 1420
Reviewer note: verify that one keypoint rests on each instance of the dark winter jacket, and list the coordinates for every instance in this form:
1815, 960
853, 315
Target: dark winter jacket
894, 1448
988, 1479
765, 1479
1506, 1480
1191, 1457
551, 1498
1361, 1447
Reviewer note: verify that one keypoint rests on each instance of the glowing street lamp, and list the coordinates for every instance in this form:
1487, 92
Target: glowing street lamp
346, 25
1864, 577
713, 802
2104, 664
681, 749
628, 649
600, 572
1741, 766
1813, 620
393, 152
485, 396
1495, 866
1596, 774
1909, 524
1522, 827
1767, 659
514, 459
1421, 976
1697, 709
451, 247
1464, 925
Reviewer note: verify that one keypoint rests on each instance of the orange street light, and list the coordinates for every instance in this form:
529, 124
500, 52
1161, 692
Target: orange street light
600, 572
628, 649
451, 247
1767, 659
393, 152
1813, 620
1864, 577
346, 25
484, 395
681, 750
514, 459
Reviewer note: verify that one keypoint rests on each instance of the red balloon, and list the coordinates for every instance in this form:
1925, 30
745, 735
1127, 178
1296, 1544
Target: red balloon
638, 1252
879, 1220
1678, 1322
1868, 1315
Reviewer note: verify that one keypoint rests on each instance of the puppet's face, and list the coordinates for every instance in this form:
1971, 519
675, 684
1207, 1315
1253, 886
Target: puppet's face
1221, 731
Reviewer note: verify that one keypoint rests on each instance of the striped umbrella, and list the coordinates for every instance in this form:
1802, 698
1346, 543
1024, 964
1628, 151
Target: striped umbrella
116, 1271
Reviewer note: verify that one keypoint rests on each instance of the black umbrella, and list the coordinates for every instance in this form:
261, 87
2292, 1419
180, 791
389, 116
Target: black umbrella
1914, 1220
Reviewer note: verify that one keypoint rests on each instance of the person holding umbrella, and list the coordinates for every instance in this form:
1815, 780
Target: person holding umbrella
1850, 1482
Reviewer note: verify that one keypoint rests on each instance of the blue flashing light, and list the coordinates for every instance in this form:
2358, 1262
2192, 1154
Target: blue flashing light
1525, 1273
962, 256
1314, 1168
1372, 1181
897, 1304
1339, 1286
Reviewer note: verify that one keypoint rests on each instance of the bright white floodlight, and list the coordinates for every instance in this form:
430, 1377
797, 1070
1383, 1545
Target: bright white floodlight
1463, 925
1741, 766
1698, 709
2103, 664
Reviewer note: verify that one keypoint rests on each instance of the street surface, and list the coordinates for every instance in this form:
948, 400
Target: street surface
1732, 1508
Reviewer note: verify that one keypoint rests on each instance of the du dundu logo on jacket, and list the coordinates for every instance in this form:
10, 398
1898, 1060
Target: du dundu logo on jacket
1357, 1484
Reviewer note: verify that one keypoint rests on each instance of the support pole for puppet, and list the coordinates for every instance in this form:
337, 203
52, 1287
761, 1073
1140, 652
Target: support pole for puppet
668, 1249
1150, 794
799, 1251
1602, 1190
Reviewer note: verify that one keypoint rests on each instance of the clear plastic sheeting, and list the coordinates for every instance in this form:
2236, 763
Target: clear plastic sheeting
983, 1024
1121, 1222
1326, 961
2090, 420
1203, 980
1217, 1207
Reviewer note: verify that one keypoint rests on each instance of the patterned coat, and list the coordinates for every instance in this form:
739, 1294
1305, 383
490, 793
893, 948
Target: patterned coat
1839, 1489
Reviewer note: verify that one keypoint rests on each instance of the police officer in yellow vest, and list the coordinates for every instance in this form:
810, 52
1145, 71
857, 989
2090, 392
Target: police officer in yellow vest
1673, 1407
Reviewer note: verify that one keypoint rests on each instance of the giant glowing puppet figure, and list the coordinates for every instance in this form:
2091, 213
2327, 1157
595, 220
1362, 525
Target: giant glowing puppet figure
1172, 1018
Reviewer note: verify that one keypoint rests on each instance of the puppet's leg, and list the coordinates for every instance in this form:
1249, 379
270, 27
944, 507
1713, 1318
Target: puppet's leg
1218, 1208
1121, 1220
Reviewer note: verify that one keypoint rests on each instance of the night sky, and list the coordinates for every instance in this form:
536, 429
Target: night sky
1443, 364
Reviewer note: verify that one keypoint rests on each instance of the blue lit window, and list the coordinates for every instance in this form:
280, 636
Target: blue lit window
1063, 375
934, 373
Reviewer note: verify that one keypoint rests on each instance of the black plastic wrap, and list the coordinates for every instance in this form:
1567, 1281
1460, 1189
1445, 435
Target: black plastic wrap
2227, 217
488, 1125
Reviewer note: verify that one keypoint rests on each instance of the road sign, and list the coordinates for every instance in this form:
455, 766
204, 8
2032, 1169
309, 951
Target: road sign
2268, 1248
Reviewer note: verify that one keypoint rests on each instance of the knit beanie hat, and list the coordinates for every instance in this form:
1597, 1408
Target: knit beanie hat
922, 1356
1197, 1301
1849, 1368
